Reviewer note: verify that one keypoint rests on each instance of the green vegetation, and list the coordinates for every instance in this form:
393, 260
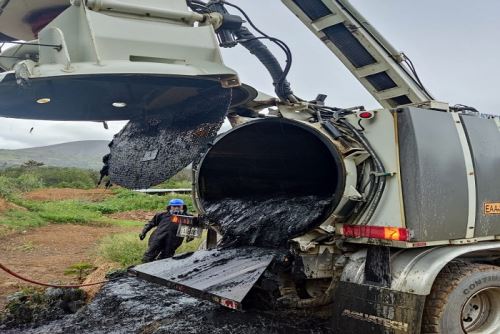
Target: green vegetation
80, 270
84, 212
191, 246
179, 181
126, 200
32, 176
26, 182
21, 220
127, 250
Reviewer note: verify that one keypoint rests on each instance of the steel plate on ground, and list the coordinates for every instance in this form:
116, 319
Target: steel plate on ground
221, 276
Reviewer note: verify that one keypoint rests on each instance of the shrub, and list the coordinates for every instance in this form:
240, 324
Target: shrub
7, 186
55, 177
125, 249
28, 182
79, 270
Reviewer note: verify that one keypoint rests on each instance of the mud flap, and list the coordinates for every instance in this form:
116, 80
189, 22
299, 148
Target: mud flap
221, 276
360, 308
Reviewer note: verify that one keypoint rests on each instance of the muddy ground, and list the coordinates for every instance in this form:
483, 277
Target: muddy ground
45, 253
130, 305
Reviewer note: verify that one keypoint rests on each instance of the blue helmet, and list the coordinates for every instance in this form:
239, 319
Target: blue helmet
176, 202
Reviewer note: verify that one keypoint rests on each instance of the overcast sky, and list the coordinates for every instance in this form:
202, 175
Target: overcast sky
453, 43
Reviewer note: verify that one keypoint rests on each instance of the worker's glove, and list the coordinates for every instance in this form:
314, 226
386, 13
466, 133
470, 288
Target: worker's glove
142, 236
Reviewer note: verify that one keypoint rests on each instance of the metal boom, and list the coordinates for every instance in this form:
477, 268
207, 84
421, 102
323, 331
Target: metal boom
362, 49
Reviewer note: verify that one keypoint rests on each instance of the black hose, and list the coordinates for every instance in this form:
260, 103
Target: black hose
265, 56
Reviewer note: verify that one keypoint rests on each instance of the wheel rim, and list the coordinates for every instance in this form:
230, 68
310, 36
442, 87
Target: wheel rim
481, 312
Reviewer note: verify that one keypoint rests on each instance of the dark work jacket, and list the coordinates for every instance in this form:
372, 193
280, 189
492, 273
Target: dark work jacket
166, 231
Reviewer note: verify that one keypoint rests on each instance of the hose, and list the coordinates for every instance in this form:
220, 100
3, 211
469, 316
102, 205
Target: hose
265, 56
16, 275
253, 44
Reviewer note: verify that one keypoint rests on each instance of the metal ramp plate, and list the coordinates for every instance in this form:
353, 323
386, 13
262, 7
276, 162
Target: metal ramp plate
221, 276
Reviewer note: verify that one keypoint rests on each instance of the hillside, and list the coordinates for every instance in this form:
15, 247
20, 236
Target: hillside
82, 154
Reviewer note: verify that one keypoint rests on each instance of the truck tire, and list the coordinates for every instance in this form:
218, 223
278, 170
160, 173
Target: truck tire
465, 298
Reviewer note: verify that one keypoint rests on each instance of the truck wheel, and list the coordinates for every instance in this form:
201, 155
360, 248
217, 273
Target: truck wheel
465, 298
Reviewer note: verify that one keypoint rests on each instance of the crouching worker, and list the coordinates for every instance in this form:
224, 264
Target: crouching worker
164, 240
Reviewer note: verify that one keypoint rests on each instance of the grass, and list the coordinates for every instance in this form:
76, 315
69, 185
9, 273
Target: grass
126, 200
21, 220
181, 180
124, 248
192, 246
41, 213
127, 250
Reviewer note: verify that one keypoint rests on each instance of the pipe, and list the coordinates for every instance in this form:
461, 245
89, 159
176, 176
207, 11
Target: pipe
137, 9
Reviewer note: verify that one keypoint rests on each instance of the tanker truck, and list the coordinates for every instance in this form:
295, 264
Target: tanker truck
387, 218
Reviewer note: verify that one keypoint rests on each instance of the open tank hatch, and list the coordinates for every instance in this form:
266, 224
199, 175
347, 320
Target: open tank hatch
270, 180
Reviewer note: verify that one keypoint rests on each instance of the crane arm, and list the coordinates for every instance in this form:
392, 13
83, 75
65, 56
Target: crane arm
363, 50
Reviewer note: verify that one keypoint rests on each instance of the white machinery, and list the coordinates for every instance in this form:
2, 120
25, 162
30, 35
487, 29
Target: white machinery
407, 229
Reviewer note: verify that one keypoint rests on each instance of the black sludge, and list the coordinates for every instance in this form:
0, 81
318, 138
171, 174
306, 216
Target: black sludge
270, 180
267, 223
131, 306
151, 150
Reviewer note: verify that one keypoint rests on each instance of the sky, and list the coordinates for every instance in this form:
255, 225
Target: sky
453, 44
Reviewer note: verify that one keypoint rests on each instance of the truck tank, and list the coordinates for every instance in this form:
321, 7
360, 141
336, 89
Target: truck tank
443, 174
289, 197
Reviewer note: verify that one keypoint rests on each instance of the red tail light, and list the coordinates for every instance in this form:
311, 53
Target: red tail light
376, 232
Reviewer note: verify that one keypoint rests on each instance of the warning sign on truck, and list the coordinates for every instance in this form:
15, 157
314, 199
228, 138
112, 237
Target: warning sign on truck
492, 208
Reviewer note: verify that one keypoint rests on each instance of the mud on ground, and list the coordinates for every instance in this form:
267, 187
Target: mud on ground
55, 194
130, 305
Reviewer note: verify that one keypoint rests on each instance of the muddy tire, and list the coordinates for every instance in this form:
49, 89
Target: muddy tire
465, 298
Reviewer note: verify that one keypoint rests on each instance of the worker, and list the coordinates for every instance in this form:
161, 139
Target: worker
164, 240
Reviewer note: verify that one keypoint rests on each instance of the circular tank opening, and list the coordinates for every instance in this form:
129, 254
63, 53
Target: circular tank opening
271, 158
269, 181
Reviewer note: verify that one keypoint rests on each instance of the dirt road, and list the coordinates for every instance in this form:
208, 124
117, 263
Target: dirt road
44, 253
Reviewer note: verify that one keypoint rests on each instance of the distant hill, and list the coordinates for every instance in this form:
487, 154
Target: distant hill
82, 154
